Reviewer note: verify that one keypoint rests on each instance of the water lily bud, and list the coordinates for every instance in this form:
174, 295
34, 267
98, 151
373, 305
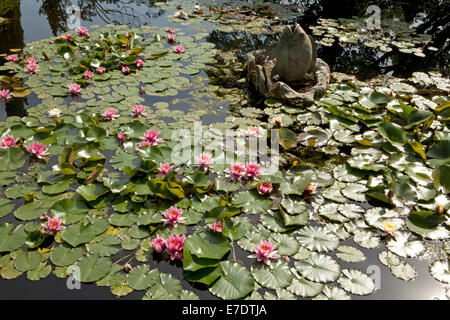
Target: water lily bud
310, 189
127, 267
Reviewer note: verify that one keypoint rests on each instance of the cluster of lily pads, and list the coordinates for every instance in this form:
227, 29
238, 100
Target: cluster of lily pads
390, 34
104, 195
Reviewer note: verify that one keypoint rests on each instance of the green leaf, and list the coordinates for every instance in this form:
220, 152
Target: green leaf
236, 283
356, 282
317, 239
10, 239
319, 268
91, 268
275, 276
105, 247
11, 158
141, 278
207, 245
394, 133
63, 256
92, 192
83, 232
40, 272
27, 261
350, 254
441, 177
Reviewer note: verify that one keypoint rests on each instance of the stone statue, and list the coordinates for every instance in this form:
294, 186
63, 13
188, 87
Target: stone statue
278, 71
295, 54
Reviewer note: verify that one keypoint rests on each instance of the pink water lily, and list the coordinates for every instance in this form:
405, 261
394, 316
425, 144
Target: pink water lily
277, 121
216, 227
264, 251
111, 114
88, 75
139, 63
171, 37
5, 95
125, 70
174, 246
265, 188
253, 131
82, 32
173, 216
65, 37
139, 111
37, 149
158, 244
165, 168
54, 225
171, 30
121, 136
74, 88
151, 137
204, 160
31, 68
178, 49
8, 141
31, 60
101, 70
236, 171
252, 170
12, 58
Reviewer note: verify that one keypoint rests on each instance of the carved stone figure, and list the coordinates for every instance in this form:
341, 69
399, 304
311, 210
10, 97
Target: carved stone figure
280, 71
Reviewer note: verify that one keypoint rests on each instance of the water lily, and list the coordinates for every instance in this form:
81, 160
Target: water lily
253, 131
101, 70
88, 75
8, 141
389, 226
111, 114
82, 32
171, 30
265, 188
5, 95
65, 37
310, 189
252, 170
204, 160
74, 88
54, 225
125, 70
277, 121
440, 202
54, 112
174, 246
171, 37
165, 168
31, 60
173, 216
180, 15
264, 251
178, 49
216, 227
152, 137
158, 244
121, 136
139, 63
139, 111
31, 68
12, 58
37, 149
236, 171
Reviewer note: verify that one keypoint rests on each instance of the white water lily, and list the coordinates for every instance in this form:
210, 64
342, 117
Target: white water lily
390, 226
440, 203
54, 112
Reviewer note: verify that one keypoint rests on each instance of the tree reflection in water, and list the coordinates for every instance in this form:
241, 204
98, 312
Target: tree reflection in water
109, 11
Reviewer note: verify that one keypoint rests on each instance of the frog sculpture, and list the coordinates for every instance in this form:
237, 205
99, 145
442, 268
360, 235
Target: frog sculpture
283, 69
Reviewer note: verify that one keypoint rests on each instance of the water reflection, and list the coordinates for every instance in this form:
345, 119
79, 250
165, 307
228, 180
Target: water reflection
132, 12
11, 32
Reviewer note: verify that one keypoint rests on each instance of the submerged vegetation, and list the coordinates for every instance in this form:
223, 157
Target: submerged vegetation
111, 172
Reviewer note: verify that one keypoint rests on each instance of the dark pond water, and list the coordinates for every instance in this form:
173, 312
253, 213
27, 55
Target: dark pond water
37, 19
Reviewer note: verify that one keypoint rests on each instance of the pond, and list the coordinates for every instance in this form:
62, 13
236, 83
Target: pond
357, 206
